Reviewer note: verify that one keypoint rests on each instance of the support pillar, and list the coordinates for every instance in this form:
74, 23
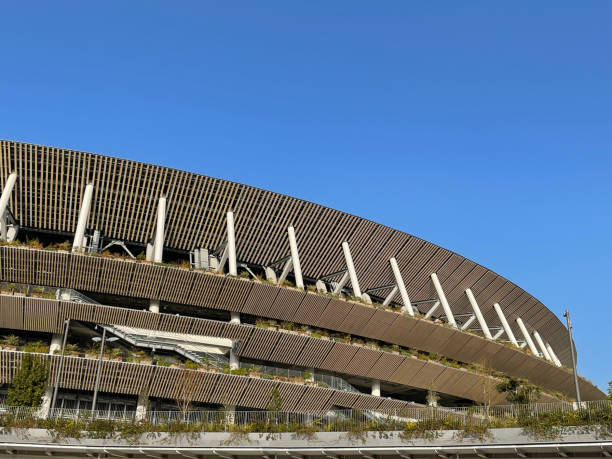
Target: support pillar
468, 322
442, 297
504, 322
390, 296
376, 388
435, 306
351, 269
4, 199
234, 362
295, 256
542, 346
235, 318
77, 244
340, 285
159, 231
553, 355
285, 272
231, 245
399, 281
476, 309
497, 335
141, 407
56, 345
527, 337
154, 305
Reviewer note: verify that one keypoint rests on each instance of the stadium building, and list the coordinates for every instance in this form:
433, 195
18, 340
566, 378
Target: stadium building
203, 291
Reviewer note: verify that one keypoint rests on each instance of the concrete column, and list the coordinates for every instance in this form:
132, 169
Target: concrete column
154, 305
442, 297
56, 345
141, 407
234, 362
295, 256
376, 388
504, 322
4, 199
351, 269
77, 244
476, 308
159, 230
399, 280
65, 295
231, 244
540, 342
234, 317
553, 355
527, 337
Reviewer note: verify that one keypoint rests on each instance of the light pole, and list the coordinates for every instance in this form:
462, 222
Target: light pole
61, 365
573, 351
97, 385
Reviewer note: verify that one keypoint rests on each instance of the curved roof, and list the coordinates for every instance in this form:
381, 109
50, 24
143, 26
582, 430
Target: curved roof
51, 182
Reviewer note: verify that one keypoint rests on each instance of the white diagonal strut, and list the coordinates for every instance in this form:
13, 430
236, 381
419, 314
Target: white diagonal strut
4, 199
79, 234
553, 355
497, 335
390, 296
432, 309
286, 269
442, 297
542, 346
468, 322
231, 245
351, 269
527, 337
505, 324
340, 285
407, 306
476, 308
159, 230
295, 256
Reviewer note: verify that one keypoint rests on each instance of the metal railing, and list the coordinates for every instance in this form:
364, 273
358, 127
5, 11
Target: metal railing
334, 420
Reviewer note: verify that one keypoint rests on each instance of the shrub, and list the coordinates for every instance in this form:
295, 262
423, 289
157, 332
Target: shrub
30, 382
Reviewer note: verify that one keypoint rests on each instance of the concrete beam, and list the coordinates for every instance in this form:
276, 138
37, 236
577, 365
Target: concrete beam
497, 335
77, 244
527, 337
505, 324
399, 280
442, 297
351, 269
479, 316
295, 256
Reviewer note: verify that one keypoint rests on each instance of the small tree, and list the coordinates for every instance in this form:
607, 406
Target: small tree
187, 390
29, 383
519, 391
610, 390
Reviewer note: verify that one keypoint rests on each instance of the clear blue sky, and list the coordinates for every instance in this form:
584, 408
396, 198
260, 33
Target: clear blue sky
485, 127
